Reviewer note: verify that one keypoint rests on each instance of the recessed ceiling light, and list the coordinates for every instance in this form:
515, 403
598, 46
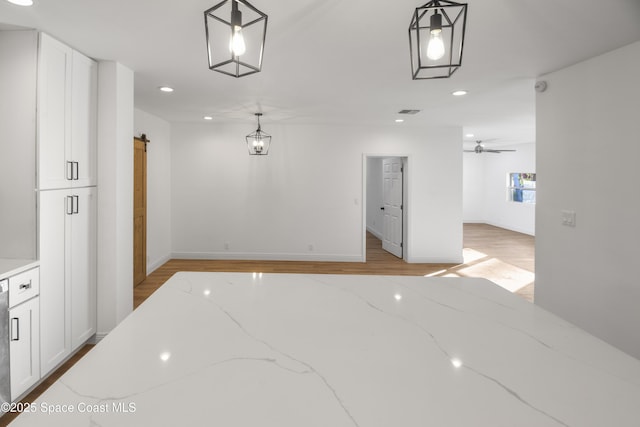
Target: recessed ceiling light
399, 120
22, 2
208, 118
165, 89
469, 135
456, 362
459, 93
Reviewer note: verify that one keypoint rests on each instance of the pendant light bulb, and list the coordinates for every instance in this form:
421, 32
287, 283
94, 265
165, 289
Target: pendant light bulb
236, 44
435, 46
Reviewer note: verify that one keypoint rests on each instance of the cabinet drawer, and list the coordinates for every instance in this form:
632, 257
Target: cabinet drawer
24, 286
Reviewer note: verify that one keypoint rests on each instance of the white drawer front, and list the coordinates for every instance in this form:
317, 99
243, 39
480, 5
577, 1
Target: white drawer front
24, 286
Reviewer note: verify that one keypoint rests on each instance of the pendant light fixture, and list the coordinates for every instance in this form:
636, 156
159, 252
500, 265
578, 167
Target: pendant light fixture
258, 142
236, 33
436, 38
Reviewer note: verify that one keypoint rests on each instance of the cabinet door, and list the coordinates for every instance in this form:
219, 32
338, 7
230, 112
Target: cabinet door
24, 354
83, 120
54, 113
83, 266
54, 232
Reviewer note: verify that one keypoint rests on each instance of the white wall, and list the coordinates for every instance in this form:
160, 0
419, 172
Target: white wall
158, 187
115, 194
473, 187
588, 150
374, 196
18, 69
485, 188
304, 200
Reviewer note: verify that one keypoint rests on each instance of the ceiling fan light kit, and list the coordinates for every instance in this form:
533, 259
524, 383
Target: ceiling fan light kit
436, 39
236, 32
258, 142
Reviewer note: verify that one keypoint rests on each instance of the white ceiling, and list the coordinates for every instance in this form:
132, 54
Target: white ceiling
337, 61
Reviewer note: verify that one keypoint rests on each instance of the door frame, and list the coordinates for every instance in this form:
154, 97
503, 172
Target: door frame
406, 202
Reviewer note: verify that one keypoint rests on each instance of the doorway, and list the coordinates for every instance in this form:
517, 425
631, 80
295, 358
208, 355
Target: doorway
139, 209
385, 213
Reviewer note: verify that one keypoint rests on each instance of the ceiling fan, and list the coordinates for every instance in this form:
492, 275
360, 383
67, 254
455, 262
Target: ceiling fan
479, 149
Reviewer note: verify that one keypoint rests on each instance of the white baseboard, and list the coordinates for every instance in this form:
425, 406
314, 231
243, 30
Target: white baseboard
511, 228
96, 338
252, 256
435, 260
375, 233
156, 264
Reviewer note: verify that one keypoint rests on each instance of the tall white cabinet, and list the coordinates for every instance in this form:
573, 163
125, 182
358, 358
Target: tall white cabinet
67, 196
67, 82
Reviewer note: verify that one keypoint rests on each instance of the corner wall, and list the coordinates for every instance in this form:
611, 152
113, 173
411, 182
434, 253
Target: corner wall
588, 151
115, 194
18, 71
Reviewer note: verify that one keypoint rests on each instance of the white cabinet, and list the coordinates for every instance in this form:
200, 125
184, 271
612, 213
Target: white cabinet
24, 335
84, 95
82, 266
67, 243
24, 345
67, 105
67, 122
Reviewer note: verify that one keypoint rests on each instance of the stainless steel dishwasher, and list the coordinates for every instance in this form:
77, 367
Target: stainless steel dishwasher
5, 378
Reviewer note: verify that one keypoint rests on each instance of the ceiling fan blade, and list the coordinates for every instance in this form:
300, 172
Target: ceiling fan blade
487, 150
505, 150
469, 151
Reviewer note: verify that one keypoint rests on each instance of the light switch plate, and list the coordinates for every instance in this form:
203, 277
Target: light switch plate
569, 218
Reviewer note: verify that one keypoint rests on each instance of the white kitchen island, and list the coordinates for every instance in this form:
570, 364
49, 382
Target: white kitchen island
285, 350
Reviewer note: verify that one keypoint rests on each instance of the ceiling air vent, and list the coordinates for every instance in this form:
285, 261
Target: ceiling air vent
408, 111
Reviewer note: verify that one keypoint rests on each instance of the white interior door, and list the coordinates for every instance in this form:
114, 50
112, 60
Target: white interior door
392, 205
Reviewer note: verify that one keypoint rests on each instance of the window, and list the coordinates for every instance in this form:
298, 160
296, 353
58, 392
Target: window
522, 187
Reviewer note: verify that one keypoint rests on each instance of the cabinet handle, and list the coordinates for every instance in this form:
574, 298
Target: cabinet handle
76, 204
69, 170
75, 172
69, 205
15, 325
25, 285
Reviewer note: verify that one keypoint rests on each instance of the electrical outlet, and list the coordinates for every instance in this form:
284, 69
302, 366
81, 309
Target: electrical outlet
310, 248
226, 246
569, 218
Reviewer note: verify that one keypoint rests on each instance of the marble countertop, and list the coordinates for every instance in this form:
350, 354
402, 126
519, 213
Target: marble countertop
10, 267
284, 350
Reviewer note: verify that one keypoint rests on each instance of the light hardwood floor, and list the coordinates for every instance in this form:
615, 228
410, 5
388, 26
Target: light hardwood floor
490, 252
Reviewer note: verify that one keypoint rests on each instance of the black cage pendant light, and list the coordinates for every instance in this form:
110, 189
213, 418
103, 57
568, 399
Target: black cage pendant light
258, 142
235, 32
436, 38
